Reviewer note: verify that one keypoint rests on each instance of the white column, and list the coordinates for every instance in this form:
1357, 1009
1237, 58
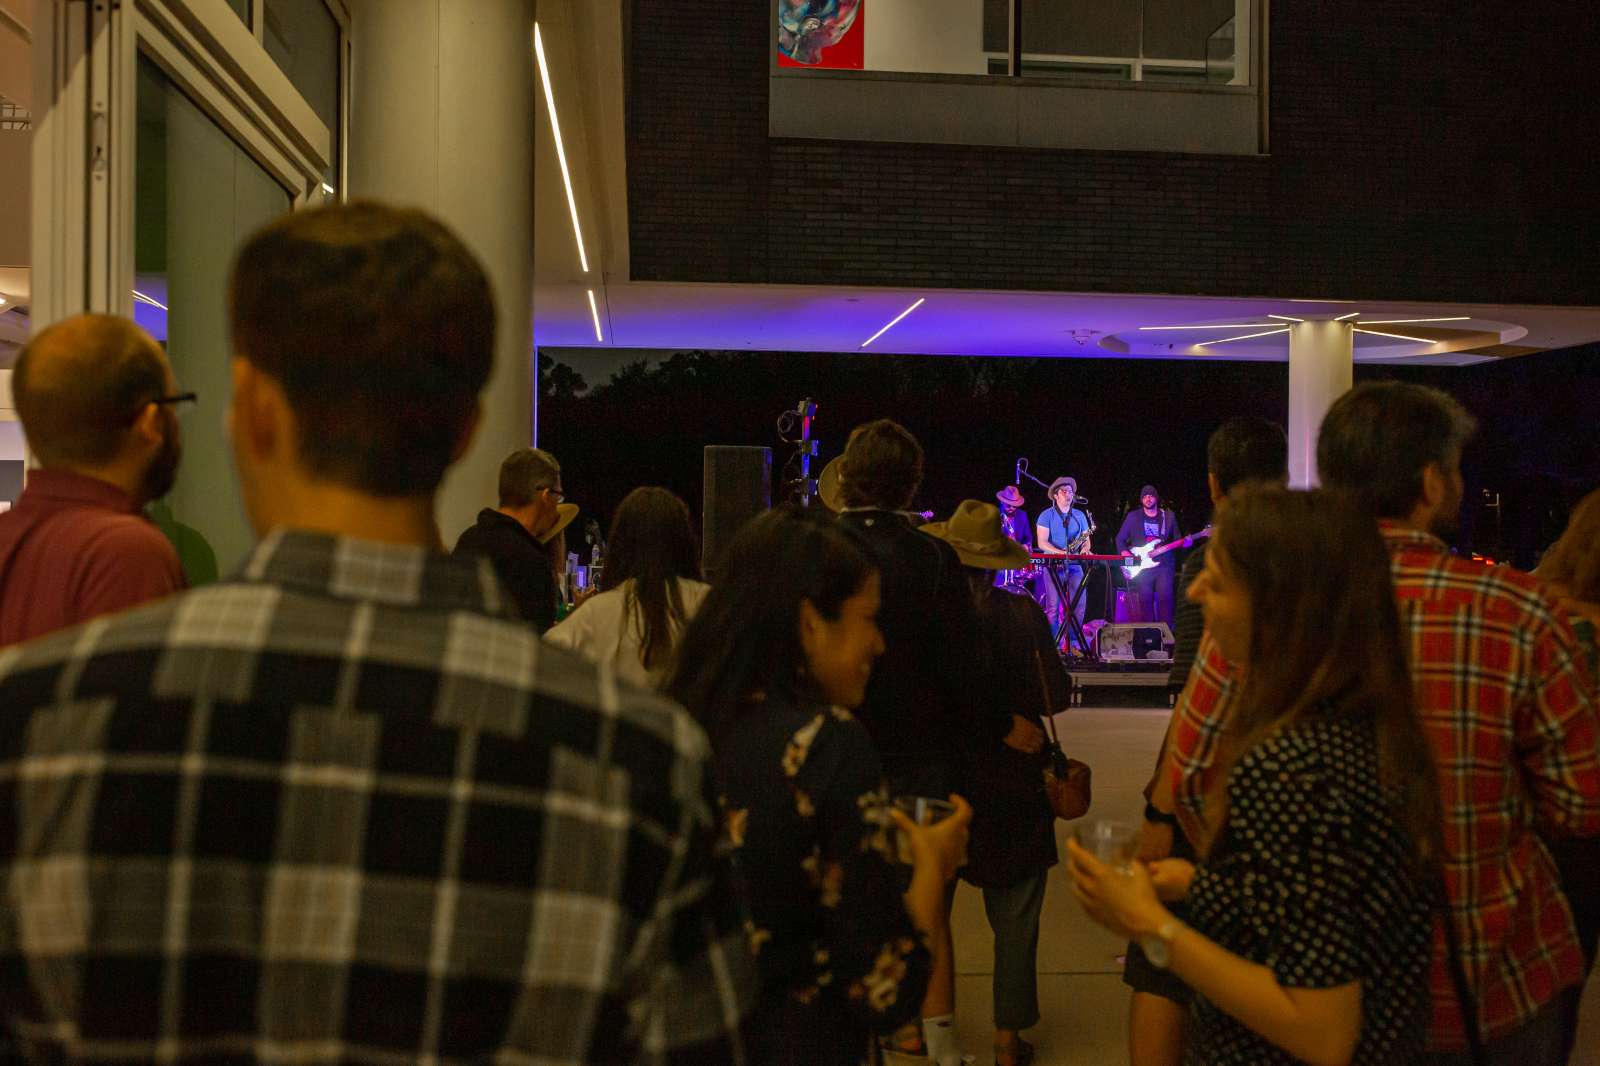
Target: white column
1321, 369
441, 117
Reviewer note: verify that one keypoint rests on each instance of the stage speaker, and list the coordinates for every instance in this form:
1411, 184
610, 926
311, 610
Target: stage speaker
738, 486
1134, 642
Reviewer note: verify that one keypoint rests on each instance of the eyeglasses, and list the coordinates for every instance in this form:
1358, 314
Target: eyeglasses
557, 493
181, 402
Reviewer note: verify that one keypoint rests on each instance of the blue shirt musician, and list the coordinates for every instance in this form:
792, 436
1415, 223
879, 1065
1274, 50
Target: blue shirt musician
1150, 525
1062, 530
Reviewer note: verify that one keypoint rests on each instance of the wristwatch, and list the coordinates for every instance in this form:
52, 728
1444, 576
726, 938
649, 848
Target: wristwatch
1158, 948
1152, 813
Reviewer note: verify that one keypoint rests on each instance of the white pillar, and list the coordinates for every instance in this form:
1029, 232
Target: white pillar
1321, 369
441, 117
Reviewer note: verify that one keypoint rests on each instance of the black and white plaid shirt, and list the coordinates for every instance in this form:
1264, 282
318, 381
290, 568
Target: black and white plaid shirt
342, 810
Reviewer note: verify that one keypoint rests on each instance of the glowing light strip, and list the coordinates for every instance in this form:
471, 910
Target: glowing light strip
1409, 321
327, 188
2, 300
1231, 325
891, 325
142, 298
1397, 336
594, 313
1286, 318
561, 151
1247, 336
1352, 314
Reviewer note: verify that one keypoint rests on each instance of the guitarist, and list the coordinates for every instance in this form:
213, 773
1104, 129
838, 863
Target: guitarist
1150, 598
1061, 530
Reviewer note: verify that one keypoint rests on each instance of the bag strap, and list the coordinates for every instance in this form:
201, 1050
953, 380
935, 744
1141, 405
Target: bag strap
1044, 690
1465, 1002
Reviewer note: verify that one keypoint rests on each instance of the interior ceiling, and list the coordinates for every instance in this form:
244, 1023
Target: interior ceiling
583, 46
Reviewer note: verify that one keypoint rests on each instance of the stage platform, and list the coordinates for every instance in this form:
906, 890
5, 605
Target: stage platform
1088, 675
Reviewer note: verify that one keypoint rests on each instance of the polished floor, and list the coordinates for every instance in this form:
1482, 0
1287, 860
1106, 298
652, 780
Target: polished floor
1082, 998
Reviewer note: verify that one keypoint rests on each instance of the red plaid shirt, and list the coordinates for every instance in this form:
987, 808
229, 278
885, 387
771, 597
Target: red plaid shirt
1512, 715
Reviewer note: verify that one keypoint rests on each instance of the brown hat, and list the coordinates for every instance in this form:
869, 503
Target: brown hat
565, 513
1010, 496
1060, 481
828, 485
975, 533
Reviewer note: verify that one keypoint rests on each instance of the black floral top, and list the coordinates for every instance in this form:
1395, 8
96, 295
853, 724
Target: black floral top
840, 960
1309, 879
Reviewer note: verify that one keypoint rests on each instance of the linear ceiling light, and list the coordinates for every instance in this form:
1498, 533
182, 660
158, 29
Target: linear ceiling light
1247, 336
1352, 314
561, 151
1397, 336
1286, 318
1231, 325
1408, 321
594, 313
140, 297
897, 318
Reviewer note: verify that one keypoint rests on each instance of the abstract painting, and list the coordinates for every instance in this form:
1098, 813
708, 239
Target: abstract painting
824, 34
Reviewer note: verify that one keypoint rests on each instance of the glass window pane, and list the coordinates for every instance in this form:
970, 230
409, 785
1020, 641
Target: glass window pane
242, 9
197, 195
1179, 29
302, 37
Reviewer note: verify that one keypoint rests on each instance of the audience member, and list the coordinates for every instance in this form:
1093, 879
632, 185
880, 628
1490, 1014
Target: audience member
650, 588
96, 398
1311, 907
1013, 839
510, 535
1242, 451
345, 804
926, 686
1503, 695
1572, 569
782, 648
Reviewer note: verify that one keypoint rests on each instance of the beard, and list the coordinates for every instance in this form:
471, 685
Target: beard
162, 473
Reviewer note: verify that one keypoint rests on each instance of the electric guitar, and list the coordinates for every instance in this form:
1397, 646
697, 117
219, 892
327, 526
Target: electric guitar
1148, 554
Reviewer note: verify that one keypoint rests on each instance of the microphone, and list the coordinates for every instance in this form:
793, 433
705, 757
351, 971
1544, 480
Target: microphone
1016, 478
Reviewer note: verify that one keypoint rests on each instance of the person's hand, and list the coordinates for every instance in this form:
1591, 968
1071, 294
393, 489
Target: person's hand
1025, 736
942, 845
1155, 842
1171, 878
1124, 901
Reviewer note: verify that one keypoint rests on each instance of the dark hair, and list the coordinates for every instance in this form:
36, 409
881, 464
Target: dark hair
1378, 437
652, 544
379, 324
1573, 562
1247, 449
524, 473
882, 466
80, 384
1325, 639
744, 644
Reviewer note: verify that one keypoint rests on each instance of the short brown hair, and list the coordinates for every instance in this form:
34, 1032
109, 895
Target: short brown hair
882, 466
1378, 438
525, 472
379, 324
98, 372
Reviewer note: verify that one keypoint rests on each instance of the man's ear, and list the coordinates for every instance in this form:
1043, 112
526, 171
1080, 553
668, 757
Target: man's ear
148, 426
1214, 487
1435, 487
258, 413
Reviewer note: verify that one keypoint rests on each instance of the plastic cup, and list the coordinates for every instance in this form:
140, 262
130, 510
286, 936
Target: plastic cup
1113, 843
923, 810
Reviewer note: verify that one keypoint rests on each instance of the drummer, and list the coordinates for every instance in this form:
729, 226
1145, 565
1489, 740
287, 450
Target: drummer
1014, 523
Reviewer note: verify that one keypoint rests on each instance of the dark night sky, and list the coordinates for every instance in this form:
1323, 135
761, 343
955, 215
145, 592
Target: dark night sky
1112, 424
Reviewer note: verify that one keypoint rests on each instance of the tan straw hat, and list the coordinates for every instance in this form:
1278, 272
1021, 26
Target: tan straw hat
565, 513
975, 533
828, 486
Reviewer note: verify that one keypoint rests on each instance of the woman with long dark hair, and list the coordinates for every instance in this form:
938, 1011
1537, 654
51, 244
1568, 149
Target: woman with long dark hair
1310, 927
649, 589
782, 648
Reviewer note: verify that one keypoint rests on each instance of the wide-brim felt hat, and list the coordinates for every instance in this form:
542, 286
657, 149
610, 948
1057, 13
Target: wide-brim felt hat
1011, 496
1060, 481
974, 531
565, 513
829, 486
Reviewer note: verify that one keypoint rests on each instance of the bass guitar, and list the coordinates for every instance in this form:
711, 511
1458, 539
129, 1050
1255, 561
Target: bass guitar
1146, 556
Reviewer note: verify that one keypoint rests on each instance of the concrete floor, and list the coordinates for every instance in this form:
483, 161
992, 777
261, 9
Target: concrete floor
1082, 998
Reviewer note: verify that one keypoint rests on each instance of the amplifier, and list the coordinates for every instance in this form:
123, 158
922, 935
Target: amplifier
1128, 642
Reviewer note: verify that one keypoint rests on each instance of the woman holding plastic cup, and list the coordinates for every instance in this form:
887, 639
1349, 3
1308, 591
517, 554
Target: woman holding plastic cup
1309, 912
782, 647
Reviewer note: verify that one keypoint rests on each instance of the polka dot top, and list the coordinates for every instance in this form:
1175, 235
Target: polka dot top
1309, 879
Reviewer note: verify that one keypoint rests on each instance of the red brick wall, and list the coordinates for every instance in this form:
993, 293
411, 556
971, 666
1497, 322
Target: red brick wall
1419, 150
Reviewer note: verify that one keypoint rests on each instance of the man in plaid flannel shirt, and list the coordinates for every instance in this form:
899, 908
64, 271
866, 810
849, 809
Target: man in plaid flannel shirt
343, 807
1511, 714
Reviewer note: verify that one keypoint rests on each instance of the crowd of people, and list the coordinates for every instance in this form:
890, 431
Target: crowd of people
369, 799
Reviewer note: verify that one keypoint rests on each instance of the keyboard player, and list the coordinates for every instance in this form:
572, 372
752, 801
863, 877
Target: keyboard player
1062, 529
